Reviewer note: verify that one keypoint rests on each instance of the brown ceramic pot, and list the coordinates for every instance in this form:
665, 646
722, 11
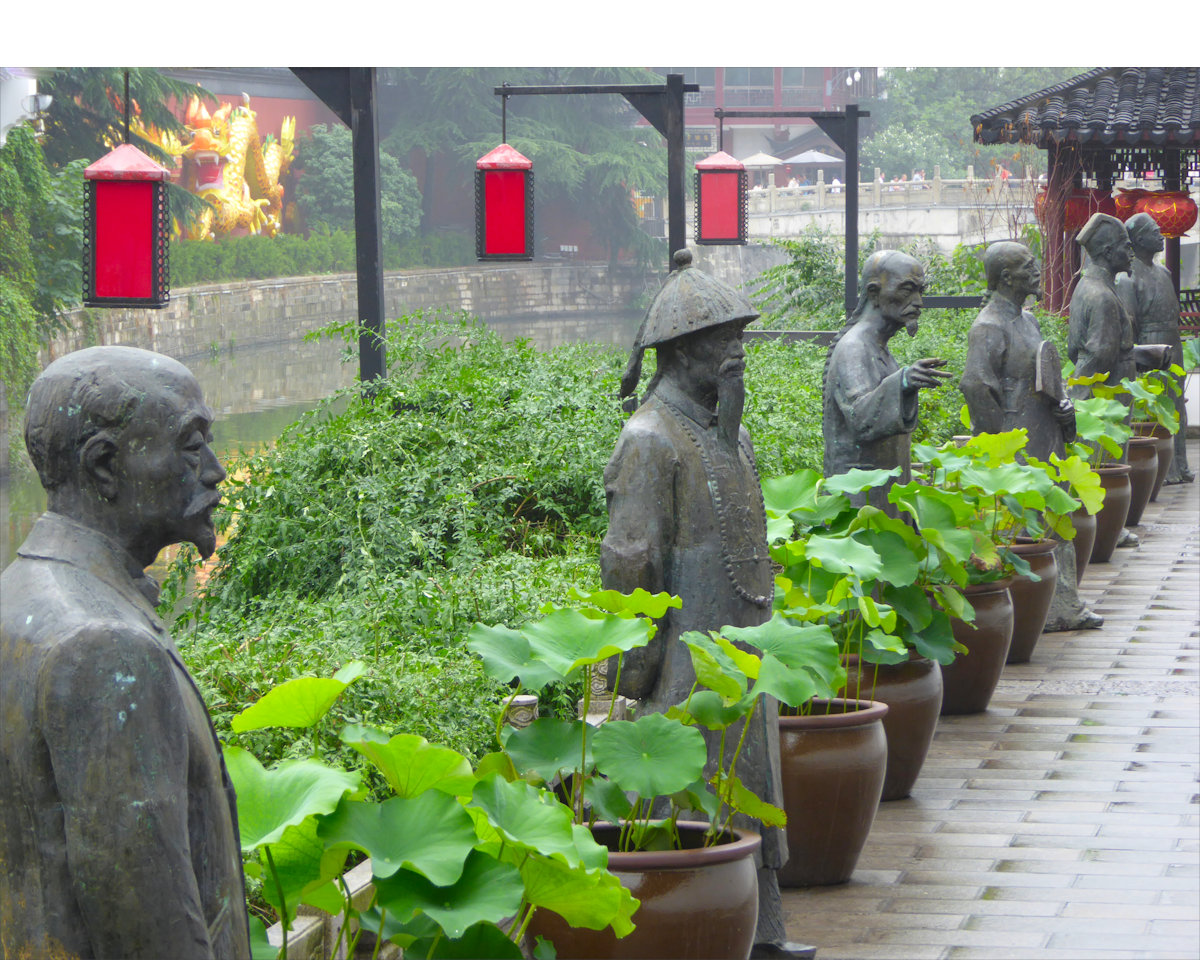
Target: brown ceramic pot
1143, 468
832, 763
697, 902
971, 679
1166, 452
1110, 520
1085, 538
912, 691
1031, 600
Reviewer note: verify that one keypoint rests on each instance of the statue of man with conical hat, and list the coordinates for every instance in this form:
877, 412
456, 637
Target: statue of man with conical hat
1148, 293
686, 515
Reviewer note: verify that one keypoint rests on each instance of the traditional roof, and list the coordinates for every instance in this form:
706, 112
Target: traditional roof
1111, 106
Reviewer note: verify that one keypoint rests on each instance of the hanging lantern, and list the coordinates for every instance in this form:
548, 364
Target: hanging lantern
1173, 210
1126, 202
721, 210
1083, 203
127, 231
504, 205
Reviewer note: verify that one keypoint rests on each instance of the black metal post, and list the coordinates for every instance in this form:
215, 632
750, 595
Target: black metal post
368, 237
1173, 167
676, 202
126, 106
850, 147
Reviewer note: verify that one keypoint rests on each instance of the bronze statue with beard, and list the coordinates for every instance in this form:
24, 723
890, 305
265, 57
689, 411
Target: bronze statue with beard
118, 824
870, 403
1012, 379
1148, 293
685, 515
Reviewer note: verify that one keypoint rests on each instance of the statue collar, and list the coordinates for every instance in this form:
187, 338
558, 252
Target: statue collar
672, 396
59, 538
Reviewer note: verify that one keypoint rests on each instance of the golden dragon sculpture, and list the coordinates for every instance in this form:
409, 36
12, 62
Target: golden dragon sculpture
223, 159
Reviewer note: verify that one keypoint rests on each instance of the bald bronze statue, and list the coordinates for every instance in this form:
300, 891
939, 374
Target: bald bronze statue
685, 515
118, 822
1012, 379
1148, 293
870, 404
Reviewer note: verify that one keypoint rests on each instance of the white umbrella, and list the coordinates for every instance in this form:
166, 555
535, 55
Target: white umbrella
761, 161
810, 156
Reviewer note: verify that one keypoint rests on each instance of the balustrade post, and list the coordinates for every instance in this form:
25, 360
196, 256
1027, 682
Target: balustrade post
877, 188
772, 193
937, 184
820, 189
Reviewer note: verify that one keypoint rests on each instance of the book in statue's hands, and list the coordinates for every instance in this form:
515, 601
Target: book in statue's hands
1048, 378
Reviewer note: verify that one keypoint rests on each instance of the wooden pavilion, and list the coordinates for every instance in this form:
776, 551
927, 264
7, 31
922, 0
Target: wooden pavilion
1105, 125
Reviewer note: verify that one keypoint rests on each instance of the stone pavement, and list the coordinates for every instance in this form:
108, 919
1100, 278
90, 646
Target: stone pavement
1063, 822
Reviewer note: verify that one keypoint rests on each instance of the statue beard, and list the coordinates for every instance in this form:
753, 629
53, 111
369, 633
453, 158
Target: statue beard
199, 515
731, 401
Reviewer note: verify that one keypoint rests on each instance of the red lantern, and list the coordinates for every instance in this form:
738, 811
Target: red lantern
1083, 203
127, 233
1173, 210
721, 213
1126, 202
504, 205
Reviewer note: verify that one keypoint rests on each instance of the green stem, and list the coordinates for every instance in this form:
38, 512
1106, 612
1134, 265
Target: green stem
616, 685
433, 946
503, 714
577, 785
279, 891
378, 935
525, 923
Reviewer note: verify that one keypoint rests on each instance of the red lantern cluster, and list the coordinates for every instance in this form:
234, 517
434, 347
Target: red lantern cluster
127, 231
721, 208
504, 205
1173, 210
1126, 202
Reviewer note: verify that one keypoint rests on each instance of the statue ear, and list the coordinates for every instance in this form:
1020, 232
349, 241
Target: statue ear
97, 463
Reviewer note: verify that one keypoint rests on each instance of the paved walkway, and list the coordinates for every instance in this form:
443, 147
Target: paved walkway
1063, 822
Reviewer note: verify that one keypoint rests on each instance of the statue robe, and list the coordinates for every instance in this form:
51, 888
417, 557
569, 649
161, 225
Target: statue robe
1000, 376
106, 737
665, 533
869, 411
1100, 337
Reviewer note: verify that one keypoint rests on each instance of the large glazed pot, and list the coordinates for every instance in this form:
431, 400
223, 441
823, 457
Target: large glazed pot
697, 902
1166, 452
1085, 538
1031, 600
1110, 520
971, 679
1143, 468
832, 763
912, 691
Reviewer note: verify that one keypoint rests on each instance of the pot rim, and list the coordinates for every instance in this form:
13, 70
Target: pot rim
861, 714
1113, 469
1143, 441
988, 586
1028, 547
745, 844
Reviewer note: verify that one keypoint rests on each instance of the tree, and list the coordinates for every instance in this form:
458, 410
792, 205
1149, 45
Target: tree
922, 117
325, 185
587, 152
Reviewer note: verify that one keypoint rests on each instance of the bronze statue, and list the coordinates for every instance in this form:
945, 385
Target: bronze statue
686, 515
1148, 293
1100, 338
118, 824
870, 406
1012, 379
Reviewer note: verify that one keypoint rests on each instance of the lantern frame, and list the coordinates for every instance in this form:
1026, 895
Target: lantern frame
710, 172
127, 166
504, 159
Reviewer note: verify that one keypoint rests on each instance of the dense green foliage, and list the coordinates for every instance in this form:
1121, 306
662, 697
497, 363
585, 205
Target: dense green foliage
290, 255
41, 242
922, 118
325, 185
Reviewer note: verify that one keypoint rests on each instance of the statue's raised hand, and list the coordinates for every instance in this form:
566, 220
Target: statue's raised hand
926, 373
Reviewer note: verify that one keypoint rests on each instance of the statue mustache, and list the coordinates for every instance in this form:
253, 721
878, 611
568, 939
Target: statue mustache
201, 503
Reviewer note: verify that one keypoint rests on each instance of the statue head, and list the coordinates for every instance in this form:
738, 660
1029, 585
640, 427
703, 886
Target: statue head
1106, 242
1144, 234
892, 284
1012, 269
689, 303
120, 440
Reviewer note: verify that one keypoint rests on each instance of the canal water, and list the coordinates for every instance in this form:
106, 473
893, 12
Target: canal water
257, 392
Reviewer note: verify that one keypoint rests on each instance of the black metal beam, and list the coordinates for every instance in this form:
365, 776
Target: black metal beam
662, 106
350, 92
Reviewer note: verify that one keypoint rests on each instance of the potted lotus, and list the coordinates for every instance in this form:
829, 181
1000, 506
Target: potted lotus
875, 581
1154, 415
630, 784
